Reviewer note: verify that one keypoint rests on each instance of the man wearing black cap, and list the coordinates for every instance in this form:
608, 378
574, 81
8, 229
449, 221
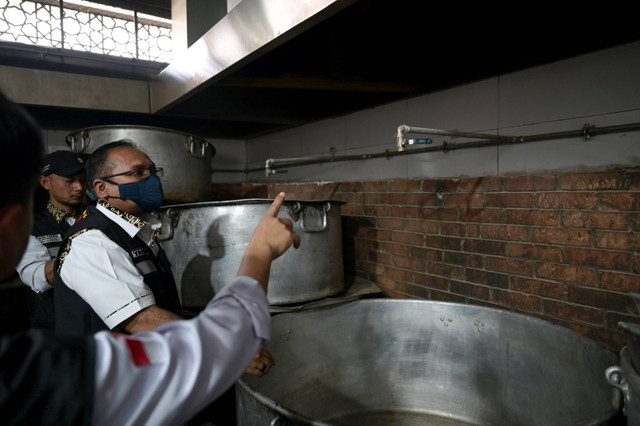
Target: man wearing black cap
63, 178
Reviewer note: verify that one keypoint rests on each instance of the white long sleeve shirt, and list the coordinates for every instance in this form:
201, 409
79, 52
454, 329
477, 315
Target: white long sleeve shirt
166, 376
31, 265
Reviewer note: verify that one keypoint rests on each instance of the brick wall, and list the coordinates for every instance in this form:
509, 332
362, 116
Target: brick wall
562, 247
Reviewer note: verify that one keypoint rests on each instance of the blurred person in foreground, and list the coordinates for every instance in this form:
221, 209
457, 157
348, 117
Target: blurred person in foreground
157, 377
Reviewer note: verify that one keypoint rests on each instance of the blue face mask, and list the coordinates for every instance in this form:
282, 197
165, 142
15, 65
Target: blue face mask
147, 193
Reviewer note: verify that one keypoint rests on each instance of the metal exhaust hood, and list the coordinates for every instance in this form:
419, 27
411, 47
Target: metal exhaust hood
248, 31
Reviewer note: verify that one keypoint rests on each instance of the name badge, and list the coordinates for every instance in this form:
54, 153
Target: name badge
48, 239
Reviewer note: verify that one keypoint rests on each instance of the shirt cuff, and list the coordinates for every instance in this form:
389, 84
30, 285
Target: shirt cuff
129, 310
251, 296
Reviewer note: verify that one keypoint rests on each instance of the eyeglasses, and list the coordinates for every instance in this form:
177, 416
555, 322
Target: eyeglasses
139, 173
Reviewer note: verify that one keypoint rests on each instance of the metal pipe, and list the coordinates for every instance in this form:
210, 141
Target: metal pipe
271, 166
402, 129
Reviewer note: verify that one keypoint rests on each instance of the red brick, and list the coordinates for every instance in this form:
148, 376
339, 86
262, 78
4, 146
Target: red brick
446, 297
592, 181
381, 258
621, 201
408, 212
424, 199
472, 231
464, 200
469, 290
574, 313
345, 197
388, 223
574, 274
432, 281
414, 291
568, 200
598, 298
375, 186
482, 215
379, 210
352, 209
629, 241
549, 289
350, 186
425, 226
485, 247
413, 264
440, 214
520, 301
530, 183
533, 217
445, 270
599, 220
454, 229
505, 232
465, 259
510, 199
426, 253
636, 263
393, 248
440, 185
572, 237
535, 252
620, 282
609, 339
490, 279
598, 258
408, 238
636, 222
393, 198
443, 243
509, 266
405, 185
366, 245
480, 184
370, 198
398, 274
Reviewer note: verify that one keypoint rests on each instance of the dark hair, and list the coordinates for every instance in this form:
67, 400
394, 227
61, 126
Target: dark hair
98, 165
21, 153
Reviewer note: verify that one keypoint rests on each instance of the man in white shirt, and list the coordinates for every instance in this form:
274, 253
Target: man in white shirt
161, 377
63, 178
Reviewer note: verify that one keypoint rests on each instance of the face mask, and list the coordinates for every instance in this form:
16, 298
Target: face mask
147, 193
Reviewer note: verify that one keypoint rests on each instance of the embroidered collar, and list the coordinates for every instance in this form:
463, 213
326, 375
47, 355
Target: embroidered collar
129, 218
57, 213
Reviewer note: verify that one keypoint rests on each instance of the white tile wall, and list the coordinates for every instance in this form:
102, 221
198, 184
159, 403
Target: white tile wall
601, 89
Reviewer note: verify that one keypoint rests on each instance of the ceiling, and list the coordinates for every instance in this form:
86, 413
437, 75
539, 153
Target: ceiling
370, 53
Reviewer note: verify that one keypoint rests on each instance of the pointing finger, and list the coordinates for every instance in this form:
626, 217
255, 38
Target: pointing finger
275, 206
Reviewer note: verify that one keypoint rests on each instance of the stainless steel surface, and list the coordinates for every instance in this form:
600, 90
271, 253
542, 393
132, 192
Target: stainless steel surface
633, 342
248, 30
205, 243
186, 159
626, 379
389, 361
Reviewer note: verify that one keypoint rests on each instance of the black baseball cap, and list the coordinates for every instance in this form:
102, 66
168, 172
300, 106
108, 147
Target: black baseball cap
62, 163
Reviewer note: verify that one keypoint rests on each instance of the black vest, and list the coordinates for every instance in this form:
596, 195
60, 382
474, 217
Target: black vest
46, 379
48, 227
73, 314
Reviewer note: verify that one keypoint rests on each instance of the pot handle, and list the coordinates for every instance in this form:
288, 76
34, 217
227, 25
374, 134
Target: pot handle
311, 219
85, 140
192, 148
615, 377
168, 226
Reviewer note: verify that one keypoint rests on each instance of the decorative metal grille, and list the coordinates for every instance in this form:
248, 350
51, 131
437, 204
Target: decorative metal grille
86, 27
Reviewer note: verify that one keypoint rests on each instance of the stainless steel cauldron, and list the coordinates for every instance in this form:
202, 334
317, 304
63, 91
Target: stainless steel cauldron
186, 159
205, 243
408, 362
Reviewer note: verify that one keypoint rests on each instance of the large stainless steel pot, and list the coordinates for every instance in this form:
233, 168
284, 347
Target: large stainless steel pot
205, 243
186, 159
409, 362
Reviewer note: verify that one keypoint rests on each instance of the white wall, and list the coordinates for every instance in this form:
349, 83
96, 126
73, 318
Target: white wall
601, 89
